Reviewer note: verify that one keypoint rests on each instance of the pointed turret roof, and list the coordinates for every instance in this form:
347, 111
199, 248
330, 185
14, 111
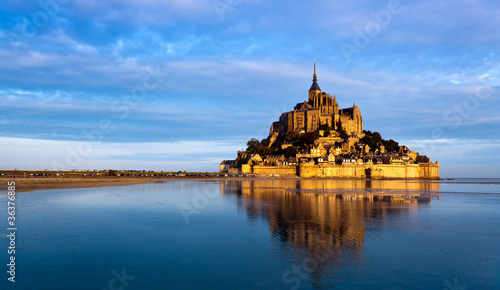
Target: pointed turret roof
315, 86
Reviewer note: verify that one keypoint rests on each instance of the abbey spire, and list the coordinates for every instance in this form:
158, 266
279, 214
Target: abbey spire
314, 74
314, 87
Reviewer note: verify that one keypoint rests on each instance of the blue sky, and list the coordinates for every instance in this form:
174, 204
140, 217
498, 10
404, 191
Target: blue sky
183, 84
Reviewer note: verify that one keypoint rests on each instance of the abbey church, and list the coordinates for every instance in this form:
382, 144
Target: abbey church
320, 109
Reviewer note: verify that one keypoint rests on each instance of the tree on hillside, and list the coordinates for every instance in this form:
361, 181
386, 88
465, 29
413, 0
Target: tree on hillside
253, 146
290, 152
342, 132
368, 140
307, 139
391, 145
376, 137
326, 128
256, 147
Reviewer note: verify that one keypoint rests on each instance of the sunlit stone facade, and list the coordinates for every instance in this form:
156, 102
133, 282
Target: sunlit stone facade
320, 108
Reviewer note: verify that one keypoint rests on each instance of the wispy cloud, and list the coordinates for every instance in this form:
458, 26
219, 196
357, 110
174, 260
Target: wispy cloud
185, 155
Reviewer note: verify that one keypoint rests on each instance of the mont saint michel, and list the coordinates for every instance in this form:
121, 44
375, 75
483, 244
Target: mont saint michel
318, 138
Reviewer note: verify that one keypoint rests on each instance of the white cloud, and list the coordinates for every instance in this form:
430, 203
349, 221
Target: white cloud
36, 154
454, 148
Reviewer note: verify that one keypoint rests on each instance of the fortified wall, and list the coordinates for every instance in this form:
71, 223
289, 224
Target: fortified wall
380, 171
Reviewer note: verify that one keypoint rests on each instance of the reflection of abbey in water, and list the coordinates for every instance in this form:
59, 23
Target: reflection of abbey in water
329, 227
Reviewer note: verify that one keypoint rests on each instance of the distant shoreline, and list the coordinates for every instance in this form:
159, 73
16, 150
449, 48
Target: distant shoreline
77, 180
30, 180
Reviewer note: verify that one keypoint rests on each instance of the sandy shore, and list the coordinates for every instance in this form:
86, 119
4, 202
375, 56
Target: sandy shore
30, 184
38, 183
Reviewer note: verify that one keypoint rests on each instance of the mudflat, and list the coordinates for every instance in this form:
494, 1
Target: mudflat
30, 184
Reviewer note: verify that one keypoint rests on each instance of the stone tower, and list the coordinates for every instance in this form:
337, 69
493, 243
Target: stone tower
320, 109
321, 100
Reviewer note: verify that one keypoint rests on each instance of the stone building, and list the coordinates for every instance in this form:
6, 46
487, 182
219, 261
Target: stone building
320, 109
226, 165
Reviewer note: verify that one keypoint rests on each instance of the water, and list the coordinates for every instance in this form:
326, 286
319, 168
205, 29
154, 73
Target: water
280, 234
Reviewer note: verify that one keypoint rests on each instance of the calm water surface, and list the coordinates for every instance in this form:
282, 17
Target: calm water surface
268, 234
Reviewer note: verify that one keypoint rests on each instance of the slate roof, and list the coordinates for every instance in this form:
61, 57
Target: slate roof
315, 86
